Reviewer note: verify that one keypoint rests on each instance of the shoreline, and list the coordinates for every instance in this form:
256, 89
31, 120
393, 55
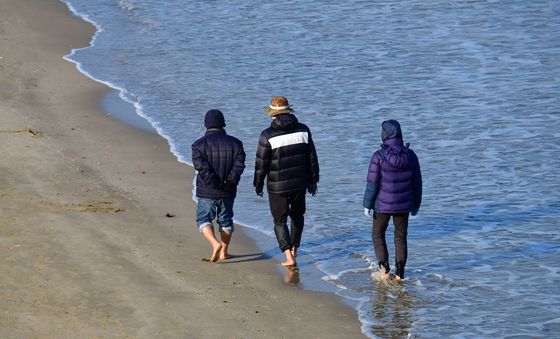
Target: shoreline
88, 250
125, 112
115, 105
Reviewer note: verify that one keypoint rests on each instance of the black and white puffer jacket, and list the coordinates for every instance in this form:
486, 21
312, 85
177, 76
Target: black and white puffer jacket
286, 155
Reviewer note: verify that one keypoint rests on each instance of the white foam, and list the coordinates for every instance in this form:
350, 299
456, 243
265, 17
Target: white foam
127, 6
336, 276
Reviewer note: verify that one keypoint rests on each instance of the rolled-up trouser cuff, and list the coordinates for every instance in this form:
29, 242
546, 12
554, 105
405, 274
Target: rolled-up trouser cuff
203, 225
283, 236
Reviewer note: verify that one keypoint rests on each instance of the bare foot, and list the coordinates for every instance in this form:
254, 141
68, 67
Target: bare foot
215, 252
397, 278
290, 260
226, 237
224, 256
388, 276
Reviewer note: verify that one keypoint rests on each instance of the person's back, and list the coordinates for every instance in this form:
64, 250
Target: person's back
287, 155
221, 151
287, 159
219, 160
394, 189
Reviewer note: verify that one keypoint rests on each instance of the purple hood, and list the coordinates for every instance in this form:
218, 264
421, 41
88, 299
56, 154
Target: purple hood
396, 153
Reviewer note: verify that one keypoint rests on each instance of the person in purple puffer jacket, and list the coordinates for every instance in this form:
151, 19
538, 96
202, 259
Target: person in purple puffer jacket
394, 189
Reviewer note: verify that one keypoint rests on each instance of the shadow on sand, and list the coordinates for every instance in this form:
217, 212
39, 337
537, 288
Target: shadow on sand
237, 258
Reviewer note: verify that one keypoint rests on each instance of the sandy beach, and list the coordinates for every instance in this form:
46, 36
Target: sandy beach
87, 249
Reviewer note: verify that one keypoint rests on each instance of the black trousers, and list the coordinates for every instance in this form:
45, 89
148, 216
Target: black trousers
380, 224
283, 206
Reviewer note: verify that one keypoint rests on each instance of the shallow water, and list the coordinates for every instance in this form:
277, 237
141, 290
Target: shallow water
475, 86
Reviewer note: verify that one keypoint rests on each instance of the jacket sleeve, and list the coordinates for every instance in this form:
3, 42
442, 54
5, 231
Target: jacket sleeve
373, 180
200, 163
262, 161
234, 175
416, 184
313, 160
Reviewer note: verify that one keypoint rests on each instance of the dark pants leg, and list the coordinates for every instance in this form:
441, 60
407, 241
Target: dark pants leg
380, 224
297, 210
282, 206
401, 248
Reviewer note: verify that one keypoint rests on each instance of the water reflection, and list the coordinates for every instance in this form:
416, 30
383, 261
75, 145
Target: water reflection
291, 275
392, 312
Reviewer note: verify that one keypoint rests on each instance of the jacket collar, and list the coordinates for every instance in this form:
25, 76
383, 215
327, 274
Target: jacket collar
393, 142
215, 131
283, 121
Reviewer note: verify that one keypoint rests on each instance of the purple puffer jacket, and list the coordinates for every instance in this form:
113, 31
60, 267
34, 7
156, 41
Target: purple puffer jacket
394, 180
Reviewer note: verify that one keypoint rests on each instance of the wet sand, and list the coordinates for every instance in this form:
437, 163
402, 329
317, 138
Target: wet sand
85, 245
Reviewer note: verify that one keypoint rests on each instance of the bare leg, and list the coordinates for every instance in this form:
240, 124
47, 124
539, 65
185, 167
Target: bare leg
208, 233
226, 237
290, 260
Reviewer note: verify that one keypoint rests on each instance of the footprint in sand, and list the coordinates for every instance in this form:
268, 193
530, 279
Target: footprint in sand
26, 131
87, 206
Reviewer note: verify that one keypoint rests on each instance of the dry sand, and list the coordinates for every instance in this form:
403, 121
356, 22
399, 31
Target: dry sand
86, 249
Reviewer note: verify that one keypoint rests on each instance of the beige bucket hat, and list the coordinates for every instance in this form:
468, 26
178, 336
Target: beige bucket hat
278, 105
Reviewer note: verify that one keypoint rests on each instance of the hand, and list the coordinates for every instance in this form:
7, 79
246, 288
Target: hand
259, 191
312, 188
228, 186
217, 185
368, 212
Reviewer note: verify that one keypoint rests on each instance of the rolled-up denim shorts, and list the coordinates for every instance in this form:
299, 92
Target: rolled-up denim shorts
209, 209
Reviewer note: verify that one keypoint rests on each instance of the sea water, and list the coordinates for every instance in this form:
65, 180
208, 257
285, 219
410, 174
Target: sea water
476, 87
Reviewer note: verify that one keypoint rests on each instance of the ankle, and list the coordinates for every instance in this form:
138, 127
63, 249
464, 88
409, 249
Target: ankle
290, 260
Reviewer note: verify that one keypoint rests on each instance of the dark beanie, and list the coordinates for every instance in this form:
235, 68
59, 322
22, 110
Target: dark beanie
391, 129
214, 119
